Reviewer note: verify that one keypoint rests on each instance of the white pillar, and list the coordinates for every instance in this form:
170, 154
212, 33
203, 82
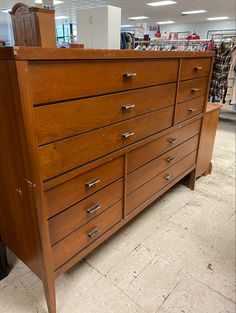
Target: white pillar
99, 27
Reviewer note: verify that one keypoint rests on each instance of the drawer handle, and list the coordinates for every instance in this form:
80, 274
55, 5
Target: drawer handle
127, 135
129, 75
92, 183
168, 177
172, 140
128, 106
94, 232
197, 68
192, 110
93, 208
195, 89
170, 160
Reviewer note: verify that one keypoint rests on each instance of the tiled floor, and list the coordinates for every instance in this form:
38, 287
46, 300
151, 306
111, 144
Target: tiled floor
176, 257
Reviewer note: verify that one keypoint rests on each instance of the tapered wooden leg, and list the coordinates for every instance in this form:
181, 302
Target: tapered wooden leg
192, 180
3, 261
50, 294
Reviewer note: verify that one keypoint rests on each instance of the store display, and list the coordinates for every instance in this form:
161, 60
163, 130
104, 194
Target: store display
84, 155
33, 26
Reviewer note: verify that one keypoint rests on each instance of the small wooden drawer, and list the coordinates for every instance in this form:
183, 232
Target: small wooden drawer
65, 119
61, 80
196, 67
68, 154
152, 150
85, 235
191, 89
71, 219
151, 169
189, 109
74, 190
146, 191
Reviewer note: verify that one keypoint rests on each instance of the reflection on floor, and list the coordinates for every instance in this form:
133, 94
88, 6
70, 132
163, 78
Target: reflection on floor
176, 257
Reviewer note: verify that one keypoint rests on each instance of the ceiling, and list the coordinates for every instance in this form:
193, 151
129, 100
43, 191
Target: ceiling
139, 7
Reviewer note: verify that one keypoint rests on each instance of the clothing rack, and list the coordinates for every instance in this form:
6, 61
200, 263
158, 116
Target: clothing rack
172, 44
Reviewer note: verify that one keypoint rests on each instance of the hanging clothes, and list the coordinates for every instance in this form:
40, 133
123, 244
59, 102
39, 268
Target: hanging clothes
231, 85
220, 73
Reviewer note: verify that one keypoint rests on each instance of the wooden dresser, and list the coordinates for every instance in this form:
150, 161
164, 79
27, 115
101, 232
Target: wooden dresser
89, 138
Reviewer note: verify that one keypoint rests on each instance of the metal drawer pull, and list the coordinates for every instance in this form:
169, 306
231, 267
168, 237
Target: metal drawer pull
128, 106
94, 232
195, 89
170, 160
192, 110
93, 208
128, 75
197, 68
168, 177
127, 135
91, 183
172, 140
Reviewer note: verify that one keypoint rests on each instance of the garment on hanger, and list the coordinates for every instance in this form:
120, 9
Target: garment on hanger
231, 83
220, 73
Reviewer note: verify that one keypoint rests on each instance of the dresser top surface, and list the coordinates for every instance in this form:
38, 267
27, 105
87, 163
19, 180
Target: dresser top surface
37, 53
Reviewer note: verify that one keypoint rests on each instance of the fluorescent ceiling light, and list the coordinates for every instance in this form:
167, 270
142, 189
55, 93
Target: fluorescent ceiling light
55, 2
6, 11
61, 17
218, 18
165, 22
194, 12
126, 25
160, 3
138, 18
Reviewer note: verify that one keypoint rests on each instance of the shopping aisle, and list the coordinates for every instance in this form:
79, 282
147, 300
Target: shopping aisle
176, 257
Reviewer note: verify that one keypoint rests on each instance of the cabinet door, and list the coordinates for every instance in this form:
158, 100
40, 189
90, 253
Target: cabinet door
28, 30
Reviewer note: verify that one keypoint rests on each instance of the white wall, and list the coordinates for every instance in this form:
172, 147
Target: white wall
200, 28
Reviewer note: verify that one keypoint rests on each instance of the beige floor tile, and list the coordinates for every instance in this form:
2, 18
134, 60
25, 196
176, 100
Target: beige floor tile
14, 298
154, 284
219, 233
106, 257
177, 245
130, 267
191, 296
102, 297
69, 286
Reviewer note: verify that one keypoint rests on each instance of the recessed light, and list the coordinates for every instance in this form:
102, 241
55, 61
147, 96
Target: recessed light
138, 18
55, 2
160, 3
126, 26
165, 22
61, 17
218, 18
6, 11
193, 12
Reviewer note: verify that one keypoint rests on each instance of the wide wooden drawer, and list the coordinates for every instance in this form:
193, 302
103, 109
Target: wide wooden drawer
146, 191
85, 235
186, 110
61, 80
151, 169
196, 67
191, 89
68, 154
65, 119
71, 219
72, 191
152, 150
